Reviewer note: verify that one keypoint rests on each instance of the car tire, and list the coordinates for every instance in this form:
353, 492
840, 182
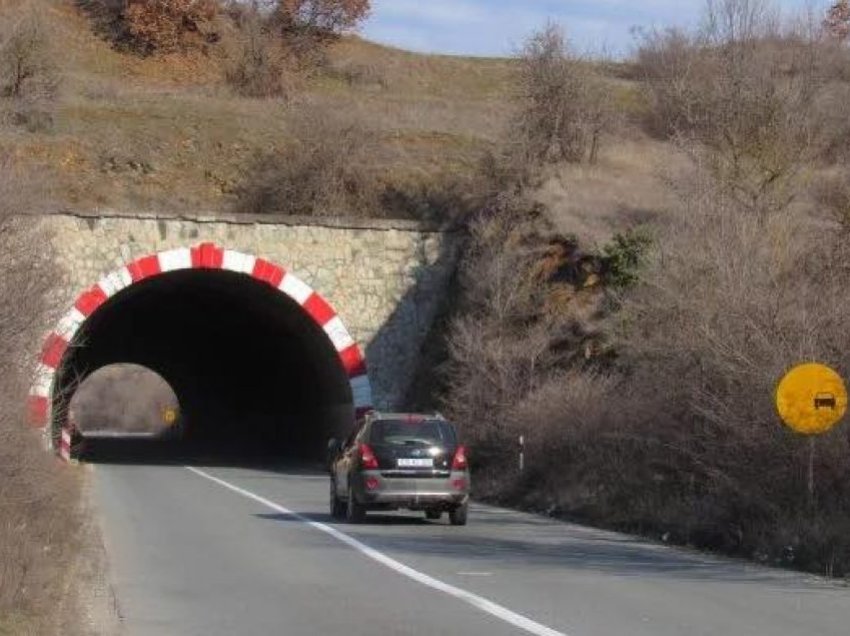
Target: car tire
337, 507
433, 515
355, 512
458, 516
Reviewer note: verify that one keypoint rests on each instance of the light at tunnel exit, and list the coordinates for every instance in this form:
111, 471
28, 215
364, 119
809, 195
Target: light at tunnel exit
125, 400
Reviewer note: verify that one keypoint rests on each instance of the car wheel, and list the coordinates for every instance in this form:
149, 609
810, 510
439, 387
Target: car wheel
354, 511
459, 515
433, 515
337, 507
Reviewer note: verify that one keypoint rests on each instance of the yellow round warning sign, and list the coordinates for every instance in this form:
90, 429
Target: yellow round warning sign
811, 399
169, 415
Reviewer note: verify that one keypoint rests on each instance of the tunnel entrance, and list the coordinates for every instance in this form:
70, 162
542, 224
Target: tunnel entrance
260, 364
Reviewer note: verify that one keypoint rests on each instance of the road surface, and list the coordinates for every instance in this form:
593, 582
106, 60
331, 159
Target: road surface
238, 551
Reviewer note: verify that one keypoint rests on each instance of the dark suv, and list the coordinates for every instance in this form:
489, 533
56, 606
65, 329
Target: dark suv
395, 461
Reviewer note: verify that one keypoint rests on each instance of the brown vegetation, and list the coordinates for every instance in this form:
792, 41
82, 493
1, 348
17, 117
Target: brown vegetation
837, 22
170, 25
321, 172
256, 63
28, 70
755, 101
39, 498
640, 378
563, 105
643, 381
169, 132
323, 16
160, 27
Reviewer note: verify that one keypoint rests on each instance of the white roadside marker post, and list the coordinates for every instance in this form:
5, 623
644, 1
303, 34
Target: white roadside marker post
521, 453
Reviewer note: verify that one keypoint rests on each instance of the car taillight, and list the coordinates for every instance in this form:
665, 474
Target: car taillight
367, 458
459, 462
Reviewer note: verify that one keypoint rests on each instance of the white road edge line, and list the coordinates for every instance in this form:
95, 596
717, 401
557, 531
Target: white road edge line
478, 602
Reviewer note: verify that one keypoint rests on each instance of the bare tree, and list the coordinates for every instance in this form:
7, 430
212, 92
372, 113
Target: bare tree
563, 106
742, 96
29, 76
256, 62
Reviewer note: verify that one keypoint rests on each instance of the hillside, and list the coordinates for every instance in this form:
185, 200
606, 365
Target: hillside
166, 132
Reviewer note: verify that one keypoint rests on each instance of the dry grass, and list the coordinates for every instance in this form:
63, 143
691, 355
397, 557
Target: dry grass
631, 185
167, 133
323, 171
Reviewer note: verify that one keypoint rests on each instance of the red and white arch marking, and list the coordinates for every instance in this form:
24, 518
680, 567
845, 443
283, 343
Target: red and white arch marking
205, 256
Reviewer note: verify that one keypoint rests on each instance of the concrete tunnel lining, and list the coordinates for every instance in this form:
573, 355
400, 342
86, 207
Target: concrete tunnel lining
239, 338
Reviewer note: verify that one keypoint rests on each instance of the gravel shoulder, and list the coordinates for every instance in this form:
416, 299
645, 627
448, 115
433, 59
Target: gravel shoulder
90, 607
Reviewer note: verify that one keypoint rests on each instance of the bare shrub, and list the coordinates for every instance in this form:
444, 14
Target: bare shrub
256, 63
488, 366
563, 106
655, 413
732, 302
582, 454
531, 311
38, 497
321, 171
29, 75
743, 96
298, 31
669, 64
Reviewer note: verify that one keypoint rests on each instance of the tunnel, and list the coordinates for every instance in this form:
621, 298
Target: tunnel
255, 373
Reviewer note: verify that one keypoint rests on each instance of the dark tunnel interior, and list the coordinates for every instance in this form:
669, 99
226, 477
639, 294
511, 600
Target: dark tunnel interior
254, 374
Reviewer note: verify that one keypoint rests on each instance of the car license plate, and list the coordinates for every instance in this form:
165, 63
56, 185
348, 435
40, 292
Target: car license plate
416, 463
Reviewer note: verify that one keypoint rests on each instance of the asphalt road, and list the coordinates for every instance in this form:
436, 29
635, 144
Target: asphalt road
231, 551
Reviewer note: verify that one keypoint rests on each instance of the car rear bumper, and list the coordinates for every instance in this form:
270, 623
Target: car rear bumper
412, 492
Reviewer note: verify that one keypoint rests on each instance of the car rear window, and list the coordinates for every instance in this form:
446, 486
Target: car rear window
402, 431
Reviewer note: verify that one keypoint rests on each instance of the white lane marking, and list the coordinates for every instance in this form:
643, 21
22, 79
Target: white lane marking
479, 602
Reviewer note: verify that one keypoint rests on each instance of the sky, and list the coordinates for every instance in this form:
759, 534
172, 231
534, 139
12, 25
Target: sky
498, 27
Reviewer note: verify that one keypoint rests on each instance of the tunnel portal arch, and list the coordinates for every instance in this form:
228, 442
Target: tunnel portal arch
206, 256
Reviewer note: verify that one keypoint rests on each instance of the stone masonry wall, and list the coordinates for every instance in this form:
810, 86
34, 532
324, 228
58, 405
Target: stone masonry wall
384, 278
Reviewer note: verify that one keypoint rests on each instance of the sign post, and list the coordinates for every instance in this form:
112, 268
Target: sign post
811, 399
